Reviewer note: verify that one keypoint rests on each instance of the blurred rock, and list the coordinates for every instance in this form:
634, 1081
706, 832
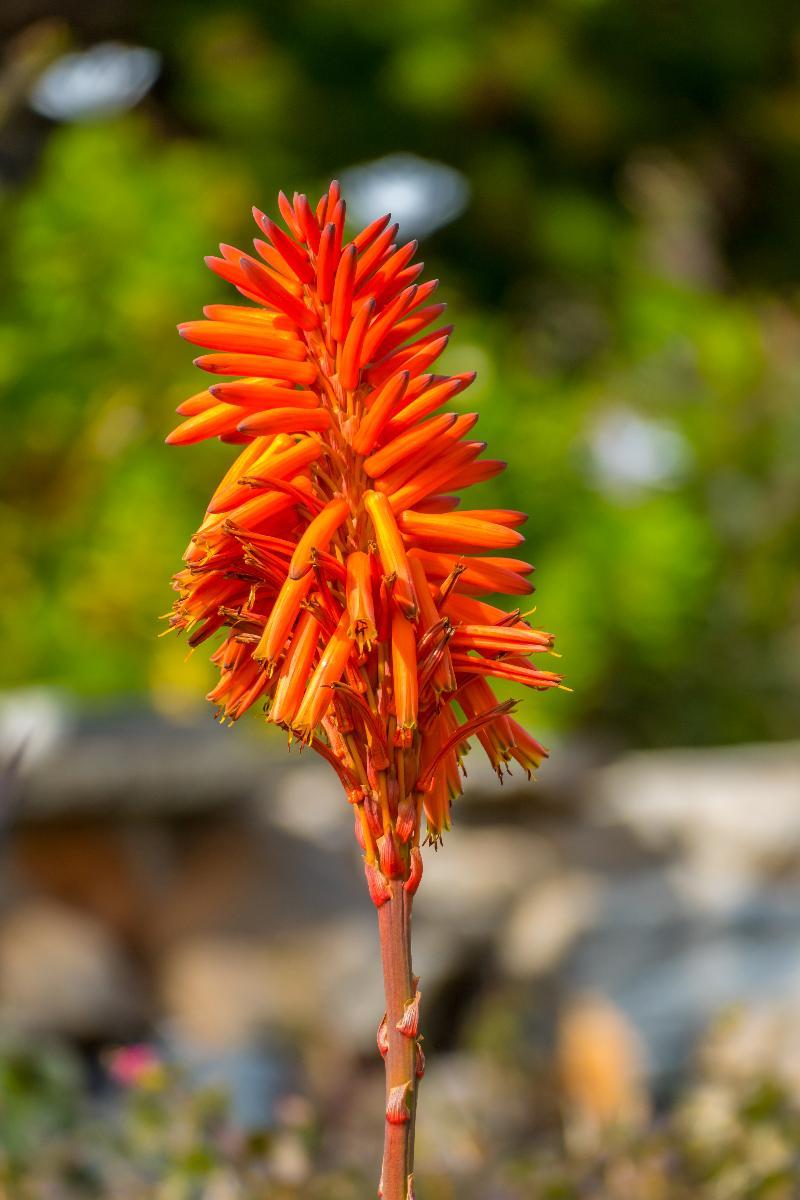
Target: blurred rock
556, 788
656, 881
307, 802
128, 760
472, 882
671, 966
98, 868
716, 921
34, 724
62, 972
732, 814
343, 964
545, 922
220, 992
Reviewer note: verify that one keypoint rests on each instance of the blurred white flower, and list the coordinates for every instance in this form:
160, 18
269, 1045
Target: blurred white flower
108, 78
421, 195
630, 452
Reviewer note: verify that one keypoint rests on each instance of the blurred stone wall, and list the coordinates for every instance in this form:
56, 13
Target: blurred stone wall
201, 887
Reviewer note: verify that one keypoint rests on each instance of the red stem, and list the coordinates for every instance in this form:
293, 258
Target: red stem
398, 1046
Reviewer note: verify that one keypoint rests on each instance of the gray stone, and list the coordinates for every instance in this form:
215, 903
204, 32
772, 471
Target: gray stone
308, 801
62, 972
730, 814
471, 883
545, 922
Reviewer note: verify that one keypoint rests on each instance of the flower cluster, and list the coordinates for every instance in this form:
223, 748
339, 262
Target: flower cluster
335, 553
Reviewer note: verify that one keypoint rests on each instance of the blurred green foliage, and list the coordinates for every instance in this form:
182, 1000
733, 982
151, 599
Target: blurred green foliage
625, 280
729, 1136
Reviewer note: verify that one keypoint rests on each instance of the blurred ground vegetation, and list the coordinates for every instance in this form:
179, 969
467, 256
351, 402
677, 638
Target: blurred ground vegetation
730, 1135
625, 279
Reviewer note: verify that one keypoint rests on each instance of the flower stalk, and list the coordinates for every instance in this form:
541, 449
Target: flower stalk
398, 1042
343, 583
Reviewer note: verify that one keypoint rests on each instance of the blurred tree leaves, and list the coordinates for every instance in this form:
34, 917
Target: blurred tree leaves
625, 281
104, 255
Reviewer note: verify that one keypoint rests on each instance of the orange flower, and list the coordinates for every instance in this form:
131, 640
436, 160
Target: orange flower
334, 563
404, 677
360, 604
333, 557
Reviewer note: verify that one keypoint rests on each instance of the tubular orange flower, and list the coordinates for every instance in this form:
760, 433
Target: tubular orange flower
333, 559
199, 403
392, 551
442, 679
464, 529
329, 671
291, 684
262, 394
360, 604
318, 535
383, 403
284, 420
281, 619
404, 675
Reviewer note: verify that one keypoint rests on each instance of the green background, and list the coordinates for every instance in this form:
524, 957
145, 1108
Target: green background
629, 259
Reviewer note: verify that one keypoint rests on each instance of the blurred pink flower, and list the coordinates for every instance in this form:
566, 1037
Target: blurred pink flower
136, 1066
